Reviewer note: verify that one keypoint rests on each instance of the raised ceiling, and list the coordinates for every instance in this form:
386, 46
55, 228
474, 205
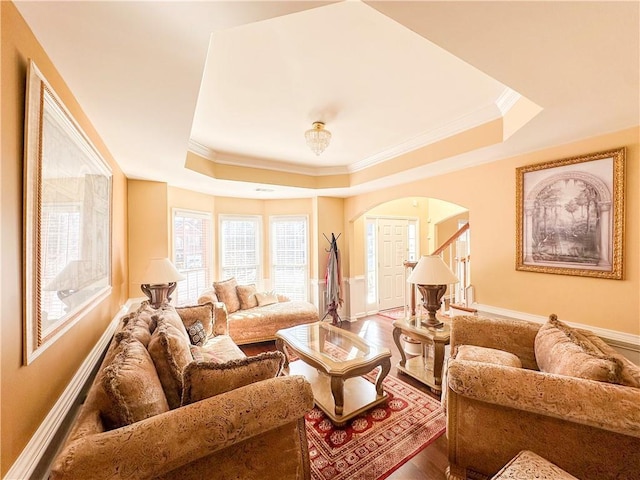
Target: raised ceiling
216, 96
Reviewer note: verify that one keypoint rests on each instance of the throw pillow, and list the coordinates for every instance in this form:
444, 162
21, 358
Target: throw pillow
198, 313
266, 298
170, 351
197, 335
630, 373
200, 354
207, 379
559, 350
282, 298
487, 355
132, 387
226, 293
247, 296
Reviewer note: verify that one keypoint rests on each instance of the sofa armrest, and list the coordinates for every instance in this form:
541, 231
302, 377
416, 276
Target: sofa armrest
170, 440
514, 336
220, 319
602, 405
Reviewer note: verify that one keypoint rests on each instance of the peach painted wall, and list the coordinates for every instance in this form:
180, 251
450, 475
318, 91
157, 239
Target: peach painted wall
444, 229
329, 218
148, 228
29, 392
439, 211
488, 191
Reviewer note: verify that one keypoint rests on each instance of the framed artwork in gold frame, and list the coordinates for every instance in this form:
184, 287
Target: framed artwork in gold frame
570, 216
67, 220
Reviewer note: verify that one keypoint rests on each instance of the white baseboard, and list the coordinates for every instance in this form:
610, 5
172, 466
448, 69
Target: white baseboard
627, 343
32, 454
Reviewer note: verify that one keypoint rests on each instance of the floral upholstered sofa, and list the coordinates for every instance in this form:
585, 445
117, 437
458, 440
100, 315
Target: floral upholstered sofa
175, 398
558, 391
254, 316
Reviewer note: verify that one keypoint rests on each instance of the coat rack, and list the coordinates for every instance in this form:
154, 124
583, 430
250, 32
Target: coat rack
333, 279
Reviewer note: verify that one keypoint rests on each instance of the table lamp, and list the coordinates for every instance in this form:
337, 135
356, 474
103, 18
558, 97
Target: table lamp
160, 280
431, 275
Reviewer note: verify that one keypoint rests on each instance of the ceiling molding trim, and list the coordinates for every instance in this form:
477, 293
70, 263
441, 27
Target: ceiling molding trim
507, 100
201, 150
261, 163
466, 122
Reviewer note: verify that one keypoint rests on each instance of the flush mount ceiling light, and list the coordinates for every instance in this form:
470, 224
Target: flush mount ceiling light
317, 138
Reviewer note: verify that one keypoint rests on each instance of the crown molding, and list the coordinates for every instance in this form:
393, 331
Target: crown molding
507, 100
488, 113
224, 158
459, 125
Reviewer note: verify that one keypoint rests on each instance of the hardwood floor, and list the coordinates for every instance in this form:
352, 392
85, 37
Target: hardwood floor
430, 463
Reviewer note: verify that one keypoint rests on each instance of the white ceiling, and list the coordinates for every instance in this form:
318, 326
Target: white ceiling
382, 75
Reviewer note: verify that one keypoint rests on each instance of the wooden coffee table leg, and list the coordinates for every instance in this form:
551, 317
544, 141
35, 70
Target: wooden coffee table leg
396, 338
337, 390
438, 361
385, 367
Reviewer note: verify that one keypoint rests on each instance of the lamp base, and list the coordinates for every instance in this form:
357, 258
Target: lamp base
158, 294
431, 296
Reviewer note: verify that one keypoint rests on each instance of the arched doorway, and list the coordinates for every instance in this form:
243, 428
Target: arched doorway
394, 232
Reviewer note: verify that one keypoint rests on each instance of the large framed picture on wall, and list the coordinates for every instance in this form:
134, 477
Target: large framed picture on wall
570, 216
67, 219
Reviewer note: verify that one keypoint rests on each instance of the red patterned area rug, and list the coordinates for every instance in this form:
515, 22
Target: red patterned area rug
375, 444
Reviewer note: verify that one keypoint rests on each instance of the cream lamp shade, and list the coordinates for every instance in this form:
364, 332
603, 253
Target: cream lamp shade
159, 281
431, 275
431, 270
161, 270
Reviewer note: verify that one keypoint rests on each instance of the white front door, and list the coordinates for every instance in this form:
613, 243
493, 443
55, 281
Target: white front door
392, 252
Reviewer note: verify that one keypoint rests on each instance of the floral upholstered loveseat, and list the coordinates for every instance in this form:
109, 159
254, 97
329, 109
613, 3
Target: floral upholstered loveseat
560, 392
175, 398
254, 316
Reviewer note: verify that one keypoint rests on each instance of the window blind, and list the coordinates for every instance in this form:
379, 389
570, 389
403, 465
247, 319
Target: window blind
289, 256
191, 253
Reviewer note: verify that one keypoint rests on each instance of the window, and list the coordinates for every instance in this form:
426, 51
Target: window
290, 256
191, 253
240, 248
412, 241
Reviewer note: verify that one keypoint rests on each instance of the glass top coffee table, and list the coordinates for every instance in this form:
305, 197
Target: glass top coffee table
333, 360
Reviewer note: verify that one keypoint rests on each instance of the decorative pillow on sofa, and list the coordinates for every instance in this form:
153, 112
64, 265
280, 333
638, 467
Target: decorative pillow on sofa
170, 351
138, 327
487, 355
560, 350
247, 296
630, 373
282, 298
207, 379
132, 387
198, 313
196, 333
200, 354
266, 298
226, 293
146, 313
